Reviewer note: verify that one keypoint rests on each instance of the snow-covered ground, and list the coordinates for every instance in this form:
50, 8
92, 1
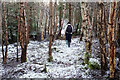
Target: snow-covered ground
67, 62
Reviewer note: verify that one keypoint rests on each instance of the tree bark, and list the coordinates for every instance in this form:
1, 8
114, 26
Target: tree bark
63, 17
6, 38
118, 28
80, 23
105, 20
60, 20
41, 27
89, 42
1, 31
95, 28
51, 28
49, 25
102, 38
23, 32
0, 23
91, 29
111, 39
18, 36
84, 24
46, 24
56, 21
27, 13
70, 12
83, 20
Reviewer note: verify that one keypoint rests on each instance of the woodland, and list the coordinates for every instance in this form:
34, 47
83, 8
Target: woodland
33, 43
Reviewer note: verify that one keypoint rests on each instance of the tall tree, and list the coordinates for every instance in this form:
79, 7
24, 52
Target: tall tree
18, 36
85, 24
111, 39
102, 38
23, 32
118, 27
95, 27
89, 25
60, 20
63, 18
51, 28
46, 24
1, 31
91, 29
63, 15
80, 22
55, 20
2, 37
6, 37
41, 18
69, 12
0, 23
105, 19
27, 17
83, 20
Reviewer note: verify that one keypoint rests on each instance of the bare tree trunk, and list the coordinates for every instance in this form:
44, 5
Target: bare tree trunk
89, 42
118, 28
111, 39
41, 27
60, 20
23, 32
54, 17
56, 21
83, 20
1, 31
63, 17
95, 28
18, 36
51, 28
69, 12
76, 20
2, 40
6, 38
46, 24
91, 29
2, 45
80, 23
105, 20
26, 28
0, 23
49, 21
102, 38
27, 23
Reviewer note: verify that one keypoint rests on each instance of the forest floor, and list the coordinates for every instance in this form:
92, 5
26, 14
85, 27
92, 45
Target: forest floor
67, 62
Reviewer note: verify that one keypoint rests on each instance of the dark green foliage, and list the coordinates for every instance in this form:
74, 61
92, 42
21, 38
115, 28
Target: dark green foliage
86, 57
91, 65
94, 65
45, 69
